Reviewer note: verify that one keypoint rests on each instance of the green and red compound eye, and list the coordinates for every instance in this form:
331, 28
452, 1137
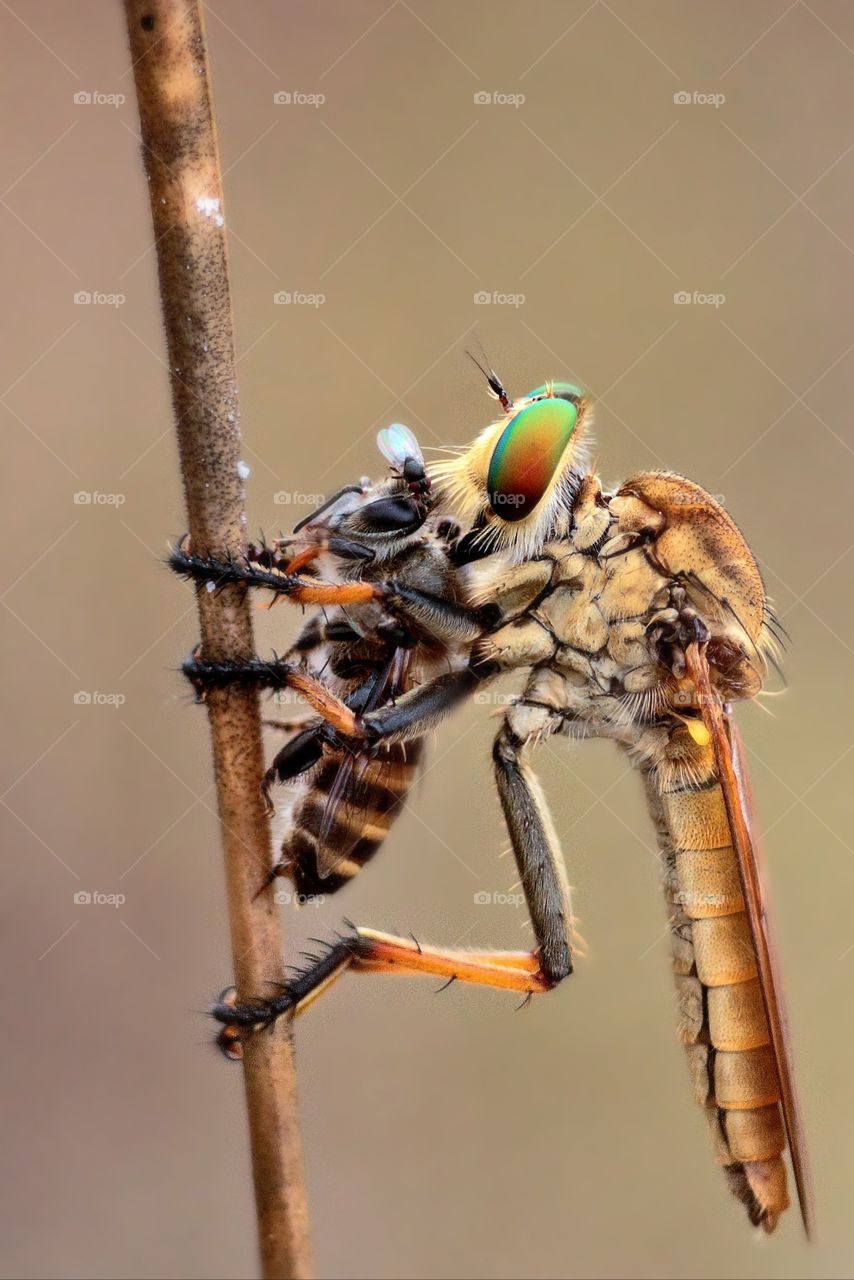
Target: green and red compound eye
529, 451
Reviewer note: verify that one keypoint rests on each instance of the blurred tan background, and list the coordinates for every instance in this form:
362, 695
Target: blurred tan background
443, 1136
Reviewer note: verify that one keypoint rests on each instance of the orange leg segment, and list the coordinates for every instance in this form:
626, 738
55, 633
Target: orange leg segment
369, 951
503, 970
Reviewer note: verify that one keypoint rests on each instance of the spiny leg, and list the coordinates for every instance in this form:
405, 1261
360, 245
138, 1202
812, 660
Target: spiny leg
538, 856
274, 673
369, 951
543, 882
241, 572
428, 615
407, 718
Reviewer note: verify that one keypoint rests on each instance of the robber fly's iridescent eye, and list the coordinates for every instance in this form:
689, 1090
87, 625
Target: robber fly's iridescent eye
558, 390
397, 443
528, 454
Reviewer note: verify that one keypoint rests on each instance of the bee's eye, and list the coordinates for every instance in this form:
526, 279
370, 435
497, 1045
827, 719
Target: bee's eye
527, 455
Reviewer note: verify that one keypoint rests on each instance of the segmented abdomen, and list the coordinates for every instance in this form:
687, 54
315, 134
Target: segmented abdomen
722, 1020
345, 813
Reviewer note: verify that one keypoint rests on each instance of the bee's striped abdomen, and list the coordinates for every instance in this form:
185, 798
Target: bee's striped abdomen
722, 1017
342, 818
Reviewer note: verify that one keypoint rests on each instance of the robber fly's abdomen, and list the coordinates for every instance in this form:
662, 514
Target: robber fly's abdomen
722, 1020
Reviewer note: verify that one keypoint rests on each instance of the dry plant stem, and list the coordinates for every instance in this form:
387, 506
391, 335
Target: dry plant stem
181, 161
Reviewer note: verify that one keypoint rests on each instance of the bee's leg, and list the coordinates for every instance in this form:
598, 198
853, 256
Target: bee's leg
289, 556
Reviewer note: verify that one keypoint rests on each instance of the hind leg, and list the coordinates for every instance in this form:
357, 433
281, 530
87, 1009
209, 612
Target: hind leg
543, 883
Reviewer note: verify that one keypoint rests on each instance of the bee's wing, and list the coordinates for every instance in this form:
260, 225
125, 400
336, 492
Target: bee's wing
366, 797
735, 785
368, 791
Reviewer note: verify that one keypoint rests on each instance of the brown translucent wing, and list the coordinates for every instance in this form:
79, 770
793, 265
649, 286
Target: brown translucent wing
735, 785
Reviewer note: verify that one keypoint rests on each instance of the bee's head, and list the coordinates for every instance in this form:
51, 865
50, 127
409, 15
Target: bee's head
522, 472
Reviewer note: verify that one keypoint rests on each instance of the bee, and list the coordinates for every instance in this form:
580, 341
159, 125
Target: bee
637, 614
387, 619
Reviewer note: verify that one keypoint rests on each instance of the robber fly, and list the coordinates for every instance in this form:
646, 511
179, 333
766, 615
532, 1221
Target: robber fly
640, 616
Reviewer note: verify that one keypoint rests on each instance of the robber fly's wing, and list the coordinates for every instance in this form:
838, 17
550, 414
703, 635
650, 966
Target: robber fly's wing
735, 785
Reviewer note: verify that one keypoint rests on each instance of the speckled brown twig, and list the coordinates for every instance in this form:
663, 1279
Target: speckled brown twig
181, 161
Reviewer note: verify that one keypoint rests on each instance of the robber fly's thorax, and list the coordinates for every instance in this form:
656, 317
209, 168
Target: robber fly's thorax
595, 606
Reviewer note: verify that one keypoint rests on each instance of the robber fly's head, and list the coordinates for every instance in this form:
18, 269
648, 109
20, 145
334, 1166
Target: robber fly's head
521, 474
384, 515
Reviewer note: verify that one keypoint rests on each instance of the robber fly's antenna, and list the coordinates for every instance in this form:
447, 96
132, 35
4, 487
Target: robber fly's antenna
495, 384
